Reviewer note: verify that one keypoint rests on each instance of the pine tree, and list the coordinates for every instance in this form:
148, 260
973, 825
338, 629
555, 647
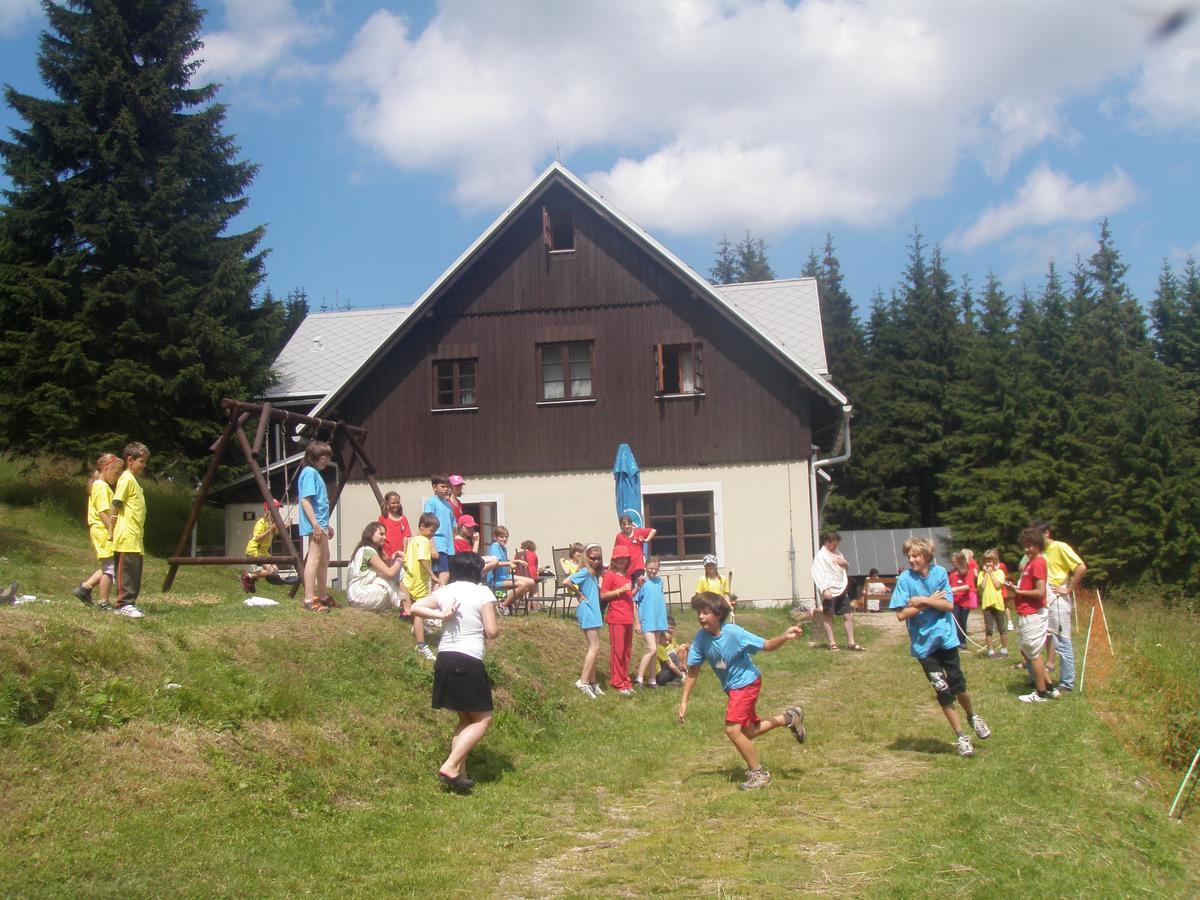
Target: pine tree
126, 309
843, 333
724, 268
752, 263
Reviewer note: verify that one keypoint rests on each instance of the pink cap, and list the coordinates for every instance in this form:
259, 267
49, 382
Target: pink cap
456, 480
468, 522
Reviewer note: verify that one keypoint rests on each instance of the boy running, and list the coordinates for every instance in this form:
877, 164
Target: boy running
728, 649
922, 601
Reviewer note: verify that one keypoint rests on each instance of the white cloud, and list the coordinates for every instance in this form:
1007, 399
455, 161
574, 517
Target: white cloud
1167, 94
1029, 255
14, 14
260, 35
1049, 198
724, 113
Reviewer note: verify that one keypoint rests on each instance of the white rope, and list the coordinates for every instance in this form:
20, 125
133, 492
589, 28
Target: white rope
969, 639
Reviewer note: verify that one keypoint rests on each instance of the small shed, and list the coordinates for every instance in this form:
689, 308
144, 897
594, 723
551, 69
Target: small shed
881, 549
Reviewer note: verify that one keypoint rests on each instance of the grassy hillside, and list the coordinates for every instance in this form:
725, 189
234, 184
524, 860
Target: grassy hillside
297, 755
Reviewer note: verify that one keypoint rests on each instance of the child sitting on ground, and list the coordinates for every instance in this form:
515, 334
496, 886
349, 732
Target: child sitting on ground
671, 656
372, 578
922, 601
728, 648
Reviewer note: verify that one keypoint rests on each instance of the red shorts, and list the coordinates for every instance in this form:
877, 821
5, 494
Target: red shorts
739, 709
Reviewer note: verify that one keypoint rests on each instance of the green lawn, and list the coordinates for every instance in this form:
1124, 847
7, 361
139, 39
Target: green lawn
298, 754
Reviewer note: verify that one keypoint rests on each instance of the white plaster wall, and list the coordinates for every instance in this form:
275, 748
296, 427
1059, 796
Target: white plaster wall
761, 510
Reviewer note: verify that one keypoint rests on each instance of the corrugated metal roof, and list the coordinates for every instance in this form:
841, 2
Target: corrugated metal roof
328, 348
789, 311
880, 549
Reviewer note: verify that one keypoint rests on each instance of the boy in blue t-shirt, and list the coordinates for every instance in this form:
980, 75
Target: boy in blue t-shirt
923, 602
443, 539
728, 649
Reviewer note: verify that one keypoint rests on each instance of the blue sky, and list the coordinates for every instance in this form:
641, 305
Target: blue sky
390, 135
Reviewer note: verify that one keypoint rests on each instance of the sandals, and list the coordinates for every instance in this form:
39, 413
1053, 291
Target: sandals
858, 648
834, 647
456, 782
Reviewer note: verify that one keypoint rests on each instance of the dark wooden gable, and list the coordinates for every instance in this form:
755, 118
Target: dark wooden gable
515, 294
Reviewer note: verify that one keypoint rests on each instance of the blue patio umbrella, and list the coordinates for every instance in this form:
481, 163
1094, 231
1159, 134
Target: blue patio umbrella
629, 485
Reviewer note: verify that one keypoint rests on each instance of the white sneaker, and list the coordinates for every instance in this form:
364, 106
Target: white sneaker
964, 746
626, 692
1053, 694
1003, 651
130, 611
981, 728
587, 690
596, 689
1033, 697
423, 650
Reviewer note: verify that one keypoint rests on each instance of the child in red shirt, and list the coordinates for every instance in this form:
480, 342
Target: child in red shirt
616, 589
635, 540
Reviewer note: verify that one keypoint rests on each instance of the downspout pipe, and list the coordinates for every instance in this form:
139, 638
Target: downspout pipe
841, 453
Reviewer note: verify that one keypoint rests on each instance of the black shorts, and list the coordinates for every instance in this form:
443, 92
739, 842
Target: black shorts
839, 605
944, 671
460, 683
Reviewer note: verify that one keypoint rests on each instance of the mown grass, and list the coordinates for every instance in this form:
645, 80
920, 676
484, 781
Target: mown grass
297, 756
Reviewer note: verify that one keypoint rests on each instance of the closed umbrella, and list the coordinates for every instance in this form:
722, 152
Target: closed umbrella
629, 485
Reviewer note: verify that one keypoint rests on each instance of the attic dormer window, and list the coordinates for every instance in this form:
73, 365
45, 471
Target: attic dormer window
558, 229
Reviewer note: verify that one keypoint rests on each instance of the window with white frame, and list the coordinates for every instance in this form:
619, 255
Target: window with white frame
685, 519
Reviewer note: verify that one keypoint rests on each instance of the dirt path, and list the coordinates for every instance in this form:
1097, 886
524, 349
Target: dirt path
632, 836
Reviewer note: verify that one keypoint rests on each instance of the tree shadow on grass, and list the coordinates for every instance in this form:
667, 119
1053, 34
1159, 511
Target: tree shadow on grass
913, 744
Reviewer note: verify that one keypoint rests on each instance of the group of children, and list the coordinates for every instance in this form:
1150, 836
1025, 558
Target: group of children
116, 521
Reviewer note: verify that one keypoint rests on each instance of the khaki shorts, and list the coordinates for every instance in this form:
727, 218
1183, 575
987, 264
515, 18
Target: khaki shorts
1033, 629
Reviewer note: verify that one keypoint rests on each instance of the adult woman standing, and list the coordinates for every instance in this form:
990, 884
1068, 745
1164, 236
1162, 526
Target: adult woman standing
460, 683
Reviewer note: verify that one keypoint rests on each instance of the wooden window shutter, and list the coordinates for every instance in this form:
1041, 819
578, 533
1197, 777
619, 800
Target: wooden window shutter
698, 356
658, 357
547, 231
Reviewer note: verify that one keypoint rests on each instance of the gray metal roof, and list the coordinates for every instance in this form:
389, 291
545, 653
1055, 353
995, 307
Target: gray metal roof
789, 311
328, 348
880, 549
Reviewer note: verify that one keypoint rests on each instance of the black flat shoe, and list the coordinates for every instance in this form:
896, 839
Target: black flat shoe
458, 782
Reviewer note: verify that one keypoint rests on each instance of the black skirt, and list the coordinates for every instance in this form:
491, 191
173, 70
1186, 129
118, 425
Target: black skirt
460, 683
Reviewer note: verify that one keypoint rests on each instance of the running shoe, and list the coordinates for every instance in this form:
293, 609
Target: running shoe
795, 722
1033, 697
84, 593
423, 650
130, 612
596, 689
586, 689
755, 779
981, 728
964, 746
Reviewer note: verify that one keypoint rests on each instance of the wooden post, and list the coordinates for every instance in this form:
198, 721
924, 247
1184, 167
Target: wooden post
264, 419
198, 504
367, 467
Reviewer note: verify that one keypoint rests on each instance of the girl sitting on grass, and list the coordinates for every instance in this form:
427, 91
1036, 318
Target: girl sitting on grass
372, 582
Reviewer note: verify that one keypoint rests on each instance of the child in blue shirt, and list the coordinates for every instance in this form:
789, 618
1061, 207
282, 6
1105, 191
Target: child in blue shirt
587, 580
728, 649
314, 525
443, 539
652, 619
924, 603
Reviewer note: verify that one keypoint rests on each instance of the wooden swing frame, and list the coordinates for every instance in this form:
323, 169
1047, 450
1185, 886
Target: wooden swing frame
340, 436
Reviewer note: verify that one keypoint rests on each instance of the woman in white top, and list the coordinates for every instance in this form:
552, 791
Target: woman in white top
460, 682
372, 582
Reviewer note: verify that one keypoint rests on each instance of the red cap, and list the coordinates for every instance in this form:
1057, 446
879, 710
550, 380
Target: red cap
274, 503
468, 522
620, 551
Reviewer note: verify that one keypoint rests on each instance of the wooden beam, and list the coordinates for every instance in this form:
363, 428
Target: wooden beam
198, 503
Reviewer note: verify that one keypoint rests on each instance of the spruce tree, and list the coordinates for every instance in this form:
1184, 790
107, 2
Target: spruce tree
752, 263
126, 308
724, 267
